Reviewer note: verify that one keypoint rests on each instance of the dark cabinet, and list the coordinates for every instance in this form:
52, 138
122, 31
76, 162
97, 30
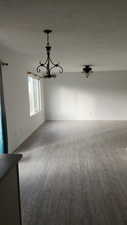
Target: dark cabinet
10, 210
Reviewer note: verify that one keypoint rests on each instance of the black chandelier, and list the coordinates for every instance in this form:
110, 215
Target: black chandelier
47, 69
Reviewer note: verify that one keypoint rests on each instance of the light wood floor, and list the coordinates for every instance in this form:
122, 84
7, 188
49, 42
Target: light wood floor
75, 173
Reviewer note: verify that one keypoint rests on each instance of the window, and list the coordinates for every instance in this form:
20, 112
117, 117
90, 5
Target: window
34, 88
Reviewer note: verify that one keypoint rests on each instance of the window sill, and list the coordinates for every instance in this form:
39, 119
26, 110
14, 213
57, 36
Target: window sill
35, 114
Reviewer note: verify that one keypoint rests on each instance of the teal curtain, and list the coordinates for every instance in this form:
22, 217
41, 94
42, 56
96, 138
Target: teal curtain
3, 122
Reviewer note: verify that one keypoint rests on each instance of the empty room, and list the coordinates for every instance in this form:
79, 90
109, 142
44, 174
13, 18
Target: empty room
63, 112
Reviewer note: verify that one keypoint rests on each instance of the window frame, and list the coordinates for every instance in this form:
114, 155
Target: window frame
34, 94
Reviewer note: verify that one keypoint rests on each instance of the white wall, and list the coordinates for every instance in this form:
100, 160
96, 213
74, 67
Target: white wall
20, 124
103, 96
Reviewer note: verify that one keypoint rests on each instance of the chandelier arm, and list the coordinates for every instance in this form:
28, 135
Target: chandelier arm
53, 67
43, 66
45, 61
61, 69
57, 65
38, 68
52, 62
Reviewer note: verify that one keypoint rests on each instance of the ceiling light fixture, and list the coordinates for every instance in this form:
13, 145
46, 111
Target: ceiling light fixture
87, 69
47, 69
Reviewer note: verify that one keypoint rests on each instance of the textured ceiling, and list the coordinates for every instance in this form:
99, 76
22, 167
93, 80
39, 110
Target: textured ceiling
85, 31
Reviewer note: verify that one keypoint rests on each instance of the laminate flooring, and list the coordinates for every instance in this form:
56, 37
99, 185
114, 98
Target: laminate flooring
75, 173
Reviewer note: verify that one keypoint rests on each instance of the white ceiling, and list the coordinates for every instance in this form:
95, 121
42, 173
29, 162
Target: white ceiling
85, 31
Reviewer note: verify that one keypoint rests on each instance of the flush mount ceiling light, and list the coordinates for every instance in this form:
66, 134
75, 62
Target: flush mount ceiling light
87, 69
47, 69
